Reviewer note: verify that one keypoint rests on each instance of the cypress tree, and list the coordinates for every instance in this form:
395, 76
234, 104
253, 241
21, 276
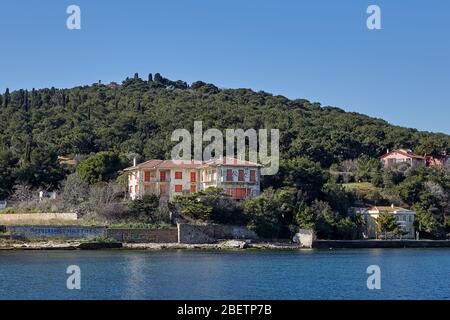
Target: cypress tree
6, 98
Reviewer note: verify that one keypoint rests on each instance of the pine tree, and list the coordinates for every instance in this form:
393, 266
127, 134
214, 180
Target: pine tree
158, 77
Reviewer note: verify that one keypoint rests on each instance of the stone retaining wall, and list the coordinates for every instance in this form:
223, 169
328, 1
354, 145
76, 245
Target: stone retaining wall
169, 235
210, 233
55, 232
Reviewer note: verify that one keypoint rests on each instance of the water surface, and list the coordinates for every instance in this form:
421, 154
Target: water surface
310, 274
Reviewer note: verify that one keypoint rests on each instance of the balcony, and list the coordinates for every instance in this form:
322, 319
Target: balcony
154, 180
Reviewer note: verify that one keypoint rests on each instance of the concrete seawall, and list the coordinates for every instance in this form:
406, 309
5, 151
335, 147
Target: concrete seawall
169, 235
326, 244
210, 233
54, 232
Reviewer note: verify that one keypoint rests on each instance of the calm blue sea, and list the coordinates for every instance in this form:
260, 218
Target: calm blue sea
311, 274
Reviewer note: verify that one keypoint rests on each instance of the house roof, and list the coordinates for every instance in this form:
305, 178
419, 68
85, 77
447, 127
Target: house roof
227, 161
406, 153
180, 164
150, 164
190, 164
390, 209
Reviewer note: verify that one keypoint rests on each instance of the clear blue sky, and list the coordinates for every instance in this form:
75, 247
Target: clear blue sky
319, 50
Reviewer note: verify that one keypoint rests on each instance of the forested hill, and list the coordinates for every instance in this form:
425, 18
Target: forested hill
139, 116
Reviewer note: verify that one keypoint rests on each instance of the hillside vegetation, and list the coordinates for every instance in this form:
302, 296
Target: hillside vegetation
138, 117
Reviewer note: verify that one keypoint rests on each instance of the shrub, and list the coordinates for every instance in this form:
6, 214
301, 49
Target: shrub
144, 209
211, 205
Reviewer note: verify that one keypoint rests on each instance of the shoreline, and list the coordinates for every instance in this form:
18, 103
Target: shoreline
81, 245
229, 245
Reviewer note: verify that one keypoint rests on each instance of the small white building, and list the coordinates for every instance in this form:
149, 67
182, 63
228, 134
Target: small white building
402, 156
169, 178
404, 217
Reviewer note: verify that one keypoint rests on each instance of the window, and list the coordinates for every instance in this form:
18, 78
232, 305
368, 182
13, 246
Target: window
162, 176
136, 189
131, 189
240, 193
193, 189
193, 176
241, 175
252, 175
229, 175
178, 188
178, 175
146, 176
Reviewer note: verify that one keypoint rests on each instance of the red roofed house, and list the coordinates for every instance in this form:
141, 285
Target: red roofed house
402, 156
168, 178
439, 161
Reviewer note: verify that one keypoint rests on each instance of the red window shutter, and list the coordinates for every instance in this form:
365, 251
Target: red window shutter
147, 176
229, 175
178, 188
193, 176
193, 189
252, 175
241, 175
162, 176
178, 175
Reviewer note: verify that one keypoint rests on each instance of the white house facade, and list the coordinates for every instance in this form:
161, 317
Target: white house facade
169, 178
404, 217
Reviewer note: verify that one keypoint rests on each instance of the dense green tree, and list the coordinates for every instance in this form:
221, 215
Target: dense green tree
367, 169
102, 166
211, 205
271, 213
144, 209
39, 168
300, 173
387, 224
7, 173
304, 217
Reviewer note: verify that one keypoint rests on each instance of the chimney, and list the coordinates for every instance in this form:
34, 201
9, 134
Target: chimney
134, 162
